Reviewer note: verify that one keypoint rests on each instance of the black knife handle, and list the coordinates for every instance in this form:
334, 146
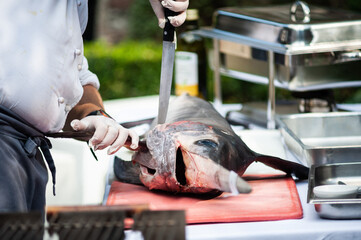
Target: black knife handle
168, 31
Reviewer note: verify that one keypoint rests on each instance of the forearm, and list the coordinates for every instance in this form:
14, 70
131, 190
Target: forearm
107, 132
90, 101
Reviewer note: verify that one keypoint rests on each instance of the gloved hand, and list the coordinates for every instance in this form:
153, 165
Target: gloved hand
176, 6
107, 132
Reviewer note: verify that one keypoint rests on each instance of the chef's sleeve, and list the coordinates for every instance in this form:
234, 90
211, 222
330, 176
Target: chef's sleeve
87, 77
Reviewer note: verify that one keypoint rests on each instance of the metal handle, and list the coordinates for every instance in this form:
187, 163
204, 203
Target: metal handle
350, 56
305, 10
347, 56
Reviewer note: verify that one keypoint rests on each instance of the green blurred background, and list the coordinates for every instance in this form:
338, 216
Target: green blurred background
131, 67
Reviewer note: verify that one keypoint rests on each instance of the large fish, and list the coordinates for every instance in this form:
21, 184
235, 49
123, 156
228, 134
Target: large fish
195, 151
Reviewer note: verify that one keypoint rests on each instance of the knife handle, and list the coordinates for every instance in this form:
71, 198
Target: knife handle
169, 29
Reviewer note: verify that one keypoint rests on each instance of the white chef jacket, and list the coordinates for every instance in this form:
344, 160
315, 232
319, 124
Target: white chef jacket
42, 66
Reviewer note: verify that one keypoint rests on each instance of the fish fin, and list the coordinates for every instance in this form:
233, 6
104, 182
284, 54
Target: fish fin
289, 167
126, 171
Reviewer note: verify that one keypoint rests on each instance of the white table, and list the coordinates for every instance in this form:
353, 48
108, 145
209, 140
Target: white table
83, 177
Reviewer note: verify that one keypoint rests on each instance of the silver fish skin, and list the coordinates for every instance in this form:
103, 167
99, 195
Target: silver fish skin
196, 151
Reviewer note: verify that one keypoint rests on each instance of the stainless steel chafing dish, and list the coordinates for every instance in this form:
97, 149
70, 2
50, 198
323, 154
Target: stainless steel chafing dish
295, 47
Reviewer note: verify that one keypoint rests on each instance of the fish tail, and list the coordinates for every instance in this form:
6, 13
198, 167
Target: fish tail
289, 167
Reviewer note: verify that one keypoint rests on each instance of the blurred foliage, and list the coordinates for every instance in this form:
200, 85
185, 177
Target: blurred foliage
348, 95
128, 69
142, 22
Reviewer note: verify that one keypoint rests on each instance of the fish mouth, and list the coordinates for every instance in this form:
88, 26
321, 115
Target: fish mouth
179, 174
180, 168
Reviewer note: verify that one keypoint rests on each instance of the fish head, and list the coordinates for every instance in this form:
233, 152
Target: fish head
187, 156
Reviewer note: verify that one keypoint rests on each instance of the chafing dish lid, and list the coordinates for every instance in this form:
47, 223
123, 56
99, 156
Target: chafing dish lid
299, 26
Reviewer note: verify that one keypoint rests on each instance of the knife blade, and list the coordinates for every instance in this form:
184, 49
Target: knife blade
166, 75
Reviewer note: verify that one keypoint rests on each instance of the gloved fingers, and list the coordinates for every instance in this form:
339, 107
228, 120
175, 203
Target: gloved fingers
107, 132
121, 139
178, 20
135, 139
176, 6
109, 138
179, 6
80, 125
101, 127
122, 135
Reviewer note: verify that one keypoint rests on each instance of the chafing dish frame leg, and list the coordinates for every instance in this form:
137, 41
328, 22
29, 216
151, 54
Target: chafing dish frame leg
217, 73
271, 104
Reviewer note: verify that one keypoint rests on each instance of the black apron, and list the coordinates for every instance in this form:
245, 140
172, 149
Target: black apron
23, 174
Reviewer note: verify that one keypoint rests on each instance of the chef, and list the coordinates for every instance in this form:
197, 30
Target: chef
46, 86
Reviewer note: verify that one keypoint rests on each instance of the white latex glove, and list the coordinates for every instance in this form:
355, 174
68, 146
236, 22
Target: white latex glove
179, 6
107, 132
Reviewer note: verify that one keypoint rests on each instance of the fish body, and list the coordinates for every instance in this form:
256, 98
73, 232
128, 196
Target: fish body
196, 151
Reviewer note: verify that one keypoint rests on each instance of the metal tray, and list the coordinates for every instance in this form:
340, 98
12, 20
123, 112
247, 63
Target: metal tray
348, 173
323, 138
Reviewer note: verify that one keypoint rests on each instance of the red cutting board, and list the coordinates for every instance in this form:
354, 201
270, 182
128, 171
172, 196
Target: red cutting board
270, 199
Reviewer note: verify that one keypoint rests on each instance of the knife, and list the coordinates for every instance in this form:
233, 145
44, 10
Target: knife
167, 67
86, 135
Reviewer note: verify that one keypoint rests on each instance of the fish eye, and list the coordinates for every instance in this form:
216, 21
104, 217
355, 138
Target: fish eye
206, 142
